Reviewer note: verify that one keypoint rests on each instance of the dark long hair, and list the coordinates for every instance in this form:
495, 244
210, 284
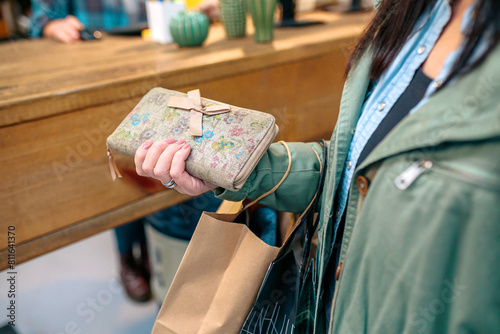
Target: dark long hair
390, 28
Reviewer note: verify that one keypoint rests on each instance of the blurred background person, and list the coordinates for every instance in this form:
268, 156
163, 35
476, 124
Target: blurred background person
63, 20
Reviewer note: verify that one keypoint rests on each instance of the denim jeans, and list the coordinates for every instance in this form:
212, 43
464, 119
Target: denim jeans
178, 221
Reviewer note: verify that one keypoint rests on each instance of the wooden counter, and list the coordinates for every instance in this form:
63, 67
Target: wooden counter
58, 103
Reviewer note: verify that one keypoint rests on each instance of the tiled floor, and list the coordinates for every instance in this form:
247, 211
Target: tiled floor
76, 290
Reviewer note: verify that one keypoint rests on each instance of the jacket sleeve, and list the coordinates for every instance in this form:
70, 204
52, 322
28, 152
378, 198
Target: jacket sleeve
45, 11
296, 191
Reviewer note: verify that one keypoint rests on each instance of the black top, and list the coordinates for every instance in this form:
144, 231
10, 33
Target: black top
406, 102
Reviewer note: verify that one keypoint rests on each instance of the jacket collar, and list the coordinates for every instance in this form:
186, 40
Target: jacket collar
350, 109
465, 110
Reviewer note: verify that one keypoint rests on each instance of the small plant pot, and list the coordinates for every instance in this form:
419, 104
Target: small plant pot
189, 28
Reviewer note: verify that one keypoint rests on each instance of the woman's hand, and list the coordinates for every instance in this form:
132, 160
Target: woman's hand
166, 160
65, 30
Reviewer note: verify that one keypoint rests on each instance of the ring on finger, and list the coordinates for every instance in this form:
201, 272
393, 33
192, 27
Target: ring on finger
170, 184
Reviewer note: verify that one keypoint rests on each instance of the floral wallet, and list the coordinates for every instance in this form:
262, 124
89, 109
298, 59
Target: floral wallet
226, 141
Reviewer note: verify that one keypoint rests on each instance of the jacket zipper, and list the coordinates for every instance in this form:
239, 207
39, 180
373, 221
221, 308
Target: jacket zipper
409, 175
412, 173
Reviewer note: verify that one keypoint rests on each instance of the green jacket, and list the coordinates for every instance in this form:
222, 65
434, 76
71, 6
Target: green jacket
424, 259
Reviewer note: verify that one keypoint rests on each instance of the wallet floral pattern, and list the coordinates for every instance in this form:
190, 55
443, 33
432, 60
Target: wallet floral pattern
228, 141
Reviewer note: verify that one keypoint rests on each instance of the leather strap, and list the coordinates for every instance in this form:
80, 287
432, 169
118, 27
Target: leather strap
112, 166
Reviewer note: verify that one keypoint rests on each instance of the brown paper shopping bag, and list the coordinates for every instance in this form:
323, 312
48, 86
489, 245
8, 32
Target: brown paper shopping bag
219, 277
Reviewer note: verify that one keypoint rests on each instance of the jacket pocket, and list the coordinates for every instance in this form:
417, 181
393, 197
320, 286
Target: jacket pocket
419, 167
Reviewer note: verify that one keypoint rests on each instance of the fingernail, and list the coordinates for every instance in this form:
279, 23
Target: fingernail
181, 141
147, 145
186, 146
170, 140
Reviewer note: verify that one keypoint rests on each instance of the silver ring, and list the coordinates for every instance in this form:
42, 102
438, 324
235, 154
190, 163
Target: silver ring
170, 184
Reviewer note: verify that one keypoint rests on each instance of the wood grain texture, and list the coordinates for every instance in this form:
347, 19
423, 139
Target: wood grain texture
58, 103
58, 77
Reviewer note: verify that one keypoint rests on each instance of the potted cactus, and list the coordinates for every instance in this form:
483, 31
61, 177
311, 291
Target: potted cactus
189, 28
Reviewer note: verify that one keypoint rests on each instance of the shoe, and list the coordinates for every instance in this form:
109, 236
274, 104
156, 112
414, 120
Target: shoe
135, 279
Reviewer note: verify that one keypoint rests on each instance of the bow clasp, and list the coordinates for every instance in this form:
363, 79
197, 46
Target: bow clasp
192, 102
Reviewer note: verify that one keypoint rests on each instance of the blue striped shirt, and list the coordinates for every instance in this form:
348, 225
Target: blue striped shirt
96, 14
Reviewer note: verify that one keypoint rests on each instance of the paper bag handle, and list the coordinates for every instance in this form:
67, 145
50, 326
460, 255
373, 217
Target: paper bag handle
298, 222
279, 183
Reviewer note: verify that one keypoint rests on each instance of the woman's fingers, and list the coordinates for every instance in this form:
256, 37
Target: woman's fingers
186, 183
178, 168
166, 160
152, 157
162, 169
140, 156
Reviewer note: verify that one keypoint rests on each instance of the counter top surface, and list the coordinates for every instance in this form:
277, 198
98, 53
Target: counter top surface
36, 70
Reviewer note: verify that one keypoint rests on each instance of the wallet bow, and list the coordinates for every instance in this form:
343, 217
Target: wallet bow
192, 102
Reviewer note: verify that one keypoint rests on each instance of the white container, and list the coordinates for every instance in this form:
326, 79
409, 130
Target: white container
165, 256
159, 15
